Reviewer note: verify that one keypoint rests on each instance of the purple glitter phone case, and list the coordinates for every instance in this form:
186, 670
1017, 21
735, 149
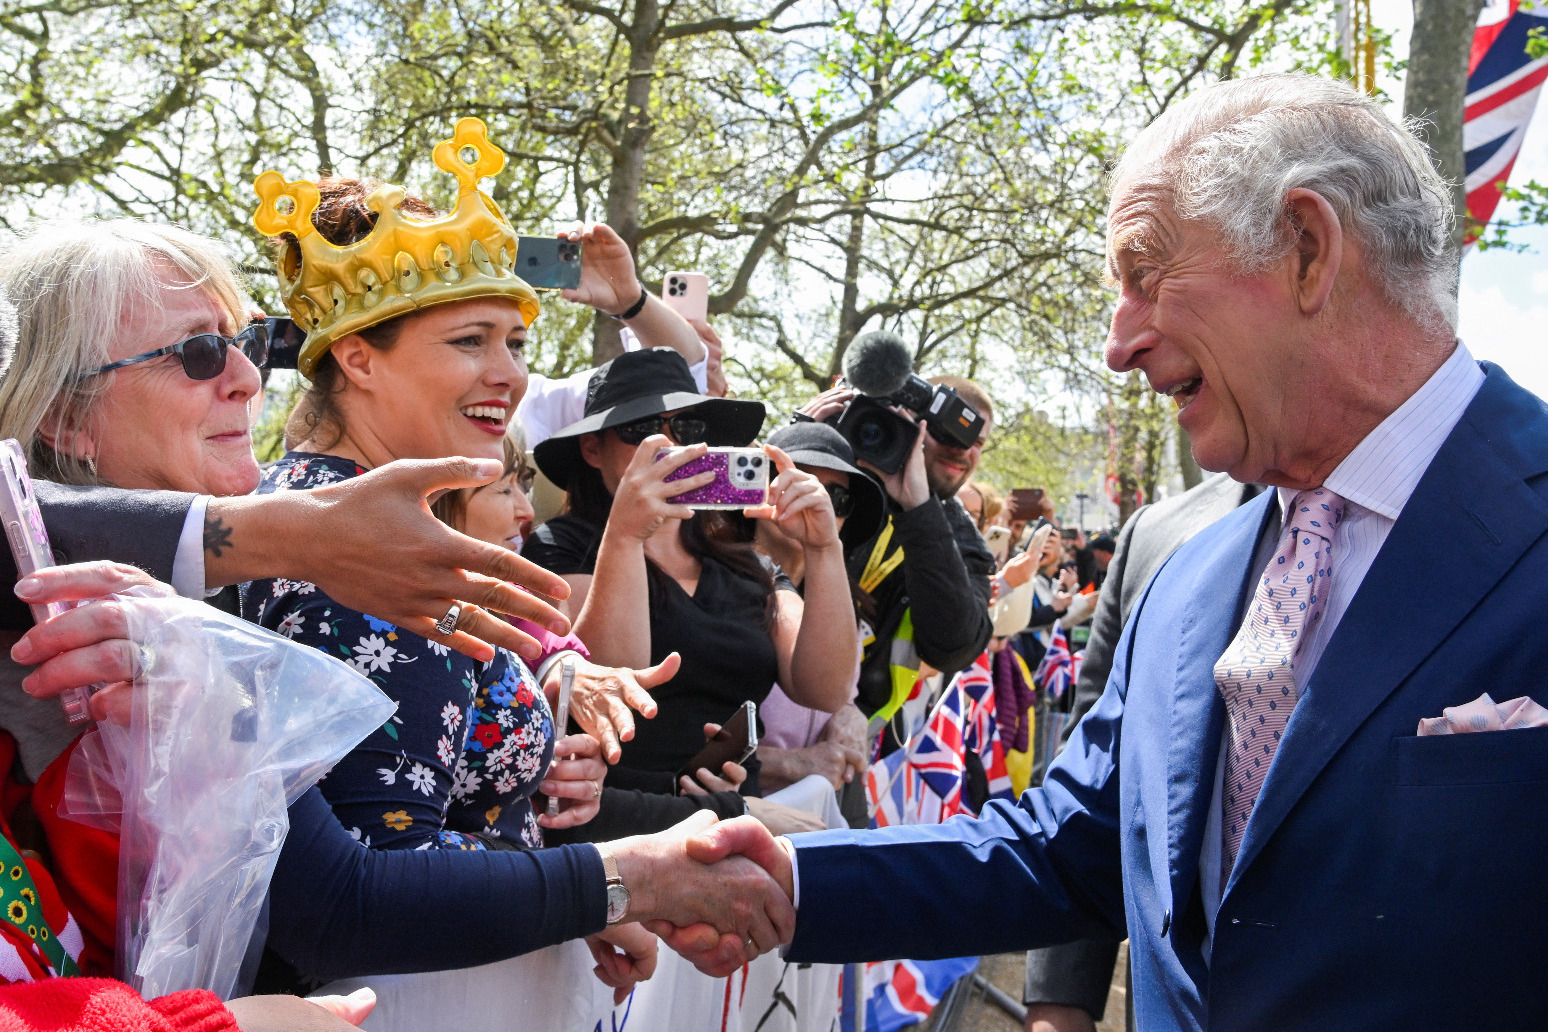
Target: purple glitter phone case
741, 478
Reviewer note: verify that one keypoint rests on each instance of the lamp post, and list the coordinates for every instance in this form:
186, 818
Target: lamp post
1081, 498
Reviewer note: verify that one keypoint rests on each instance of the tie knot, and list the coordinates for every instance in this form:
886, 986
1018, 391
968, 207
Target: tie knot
1317, 511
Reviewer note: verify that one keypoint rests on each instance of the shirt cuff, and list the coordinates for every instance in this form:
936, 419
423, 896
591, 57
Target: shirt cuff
795, 875
188, 564
548, 664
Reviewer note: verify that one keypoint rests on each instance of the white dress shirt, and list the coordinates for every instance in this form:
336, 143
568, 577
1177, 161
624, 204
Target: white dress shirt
1375, 481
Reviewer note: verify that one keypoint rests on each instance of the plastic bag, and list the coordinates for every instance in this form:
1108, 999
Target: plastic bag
231, 723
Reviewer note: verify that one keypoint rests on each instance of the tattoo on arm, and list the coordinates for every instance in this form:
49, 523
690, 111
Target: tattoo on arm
217, 536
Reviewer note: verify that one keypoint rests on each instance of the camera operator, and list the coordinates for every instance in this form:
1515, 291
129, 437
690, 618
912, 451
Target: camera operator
928, 569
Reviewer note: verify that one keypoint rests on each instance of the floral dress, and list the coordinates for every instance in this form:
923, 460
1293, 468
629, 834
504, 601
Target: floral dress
458, 762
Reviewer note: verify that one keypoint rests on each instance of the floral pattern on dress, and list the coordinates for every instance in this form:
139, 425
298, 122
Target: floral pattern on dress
470, 741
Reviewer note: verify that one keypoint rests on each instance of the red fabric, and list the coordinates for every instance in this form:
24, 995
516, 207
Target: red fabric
84, 864
103, 1005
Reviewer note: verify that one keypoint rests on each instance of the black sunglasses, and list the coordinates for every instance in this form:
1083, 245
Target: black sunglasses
203, 355
684, 428
843, 500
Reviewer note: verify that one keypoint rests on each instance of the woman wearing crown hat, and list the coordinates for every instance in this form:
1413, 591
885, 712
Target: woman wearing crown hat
416, 324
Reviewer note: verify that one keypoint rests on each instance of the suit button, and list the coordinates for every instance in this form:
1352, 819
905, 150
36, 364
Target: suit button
1166, 922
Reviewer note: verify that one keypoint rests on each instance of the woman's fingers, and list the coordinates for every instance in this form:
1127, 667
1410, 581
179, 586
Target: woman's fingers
102, 663
77, 581
72, 629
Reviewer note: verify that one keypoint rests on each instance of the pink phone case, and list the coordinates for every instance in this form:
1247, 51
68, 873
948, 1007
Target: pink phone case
687, 294
28, 538
741, 478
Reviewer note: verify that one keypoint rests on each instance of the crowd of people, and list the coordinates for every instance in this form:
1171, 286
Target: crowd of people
401, 533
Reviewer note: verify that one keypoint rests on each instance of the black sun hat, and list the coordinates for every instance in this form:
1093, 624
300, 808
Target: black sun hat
637, 384
818, 444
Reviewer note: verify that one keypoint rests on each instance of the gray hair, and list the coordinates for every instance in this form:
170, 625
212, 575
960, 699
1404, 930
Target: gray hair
1230, 153
72, 284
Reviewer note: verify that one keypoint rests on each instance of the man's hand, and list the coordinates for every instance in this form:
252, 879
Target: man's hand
373, 545
632, 961
1022, 568
88, 645
829, 403
834, 760
742, 838
601, 698
717, 910
575, 777
908, 486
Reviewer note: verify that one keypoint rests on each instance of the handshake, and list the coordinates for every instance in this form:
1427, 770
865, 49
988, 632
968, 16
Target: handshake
717, 893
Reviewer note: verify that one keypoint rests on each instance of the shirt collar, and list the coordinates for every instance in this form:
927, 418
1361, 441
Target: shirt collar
1383, 470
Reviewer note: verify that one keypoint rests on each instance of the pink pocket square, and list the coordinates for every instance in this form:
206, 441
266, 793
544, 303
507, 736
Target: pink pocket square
1484, 714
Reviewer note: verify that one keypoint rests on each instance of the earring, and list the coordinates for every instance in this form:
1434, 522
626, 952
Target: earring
91, 465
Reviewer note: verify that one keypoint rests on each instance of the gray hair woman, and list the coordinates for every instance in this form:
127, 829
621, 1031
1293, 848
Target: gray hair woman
135, 362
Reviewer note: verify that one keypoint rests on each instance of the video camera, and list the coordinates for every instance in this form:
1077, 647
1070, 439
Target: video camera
881, 367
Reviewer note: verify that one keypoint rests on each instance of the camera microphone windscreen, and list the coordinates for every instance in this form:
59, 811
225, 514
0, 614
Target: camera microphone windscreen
878, 363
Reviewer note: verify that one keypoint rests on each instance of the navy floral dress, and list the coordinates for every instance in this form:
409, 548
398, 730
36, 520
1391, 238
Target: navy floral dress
460, 759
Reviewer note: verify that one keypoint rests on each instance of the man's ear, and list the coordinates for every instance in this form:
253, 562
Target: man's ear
357, 360
591, 449
1319, 248
65, 438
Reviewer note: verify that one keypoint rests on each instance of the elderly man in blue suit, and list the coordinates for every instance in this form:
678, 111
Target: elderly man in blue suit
1250, 800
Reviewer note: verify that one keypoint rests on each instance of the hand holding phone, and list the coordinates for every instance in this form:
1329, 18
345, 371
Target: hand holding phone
687, 294
548, 263
741, 479
735, 742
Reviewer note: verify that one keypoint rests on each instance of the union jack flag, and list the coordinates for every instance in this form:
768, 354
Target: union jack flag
1059, 668
1503, 83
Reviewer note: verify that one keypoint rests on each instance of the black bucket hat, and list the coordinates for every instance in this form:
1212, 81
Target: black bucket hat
818, 444
637, 384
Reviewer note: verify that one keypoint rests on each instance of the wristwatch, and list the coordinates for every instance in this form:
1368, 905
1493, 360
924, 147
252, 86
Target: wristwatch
617, 891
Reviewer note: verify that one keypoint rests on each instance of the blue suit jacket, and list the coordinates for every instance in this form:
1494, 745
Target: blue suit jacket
1386, 881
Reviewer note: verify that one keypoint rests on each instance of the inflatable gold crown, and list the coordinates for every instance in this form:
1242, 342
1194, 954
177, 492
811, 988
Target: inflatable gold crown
403, 264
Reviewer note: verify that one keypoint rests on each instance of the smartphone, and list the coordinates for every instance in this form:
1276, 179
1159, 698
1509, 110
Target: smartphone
736, 741
687, 294
548, 263
741, 478
999, 540
28, 538
1026, 503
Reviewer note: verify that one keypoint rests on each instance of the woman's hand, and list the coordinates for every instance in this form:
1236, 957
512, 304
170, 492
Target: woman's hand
633, 960
640, 506
575, 778
88, 645
798, 504
602, 696
294, 1014
707, 781
608, 282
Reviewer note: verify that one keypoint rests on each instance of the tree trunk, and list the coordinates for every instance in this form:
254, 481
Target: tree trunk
632, 137
1437, 87
849, 323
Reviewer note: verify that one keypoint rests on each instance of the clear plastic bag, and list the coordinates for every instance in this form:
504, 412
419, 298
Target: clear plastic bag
231, 723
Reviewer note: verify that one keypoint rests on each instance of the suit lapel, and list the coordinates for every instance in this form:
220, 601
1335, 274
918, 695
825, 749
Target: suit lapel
1478, 503
1208, 621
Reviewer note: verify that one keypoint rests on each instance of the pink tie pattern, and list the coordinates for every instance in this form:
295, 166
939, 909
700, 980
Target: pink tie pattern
1256, 674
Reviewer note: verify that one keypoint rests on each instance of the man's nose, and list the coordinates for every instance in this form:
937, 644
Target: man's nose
1129, 338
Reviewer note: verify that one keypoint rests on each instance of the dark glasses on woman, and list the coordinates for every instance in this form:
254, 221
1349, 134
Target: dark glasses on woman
203, 355
843, 501
684, 428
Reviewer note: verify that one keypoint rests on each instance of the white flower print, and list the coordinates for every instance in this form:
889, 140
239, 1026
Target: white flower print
451, 716
323, 628
390, 777
464, 781
506, 783
527, 765
422, 778
501, 757
443, 749
290, 625
438, 648
373, 653
283, 586
354, 833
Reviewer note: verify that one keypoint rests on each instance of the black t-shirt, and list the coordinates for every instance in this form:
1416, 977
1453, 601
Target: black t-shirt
721, 631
